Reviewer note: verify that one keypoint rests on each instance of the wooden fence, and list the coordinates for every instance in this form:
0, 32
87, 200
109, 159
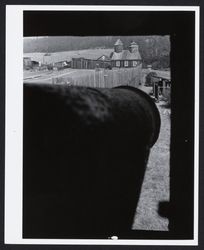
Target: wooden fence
104, 78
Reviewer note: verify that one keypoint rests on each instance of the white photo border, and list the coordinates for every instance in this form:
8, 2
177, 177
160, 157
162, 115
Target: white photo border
14, 125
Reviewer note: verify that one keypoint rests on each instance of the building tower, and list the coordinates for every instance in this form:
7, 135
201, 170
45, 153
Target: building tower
118, 46
133, 47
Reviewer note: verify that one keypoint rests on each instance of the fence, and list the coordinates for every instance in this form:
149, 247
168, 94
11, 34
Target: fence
103, 78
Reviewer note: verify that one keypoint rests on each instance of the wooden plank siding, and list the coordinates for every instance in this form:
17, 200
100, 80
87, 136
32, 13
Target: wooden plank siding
125, 63
83, 63
104, 78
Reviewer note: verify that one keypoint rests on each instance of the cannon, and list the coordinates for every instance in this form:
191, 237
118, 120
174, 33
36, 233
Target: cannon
85, 152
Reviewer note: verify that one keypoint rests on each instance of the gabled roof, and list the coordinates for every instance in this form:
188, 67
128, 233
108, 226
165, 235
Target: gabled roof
133, 43
125, 55
118, 42
104, 58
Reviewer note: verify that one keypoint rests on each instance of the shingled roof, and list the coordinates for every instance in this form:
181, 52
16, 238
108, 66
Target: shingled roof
133, 43
118, 42
125, 55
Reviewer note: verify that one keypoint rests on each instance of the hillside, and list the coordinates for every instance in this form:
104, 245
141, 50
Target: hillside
154, 50
68, 55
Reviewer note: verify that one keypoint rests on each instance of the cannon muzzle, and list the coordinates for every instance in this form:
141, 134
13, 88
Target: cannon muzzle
85, 155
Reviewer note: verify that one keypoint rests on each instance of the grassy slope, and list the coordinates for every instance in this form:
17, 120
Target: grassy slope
156, 183
67, 55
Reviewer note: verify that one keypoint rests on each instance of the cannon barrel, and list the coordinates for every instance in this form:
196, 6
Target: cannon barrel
84, 158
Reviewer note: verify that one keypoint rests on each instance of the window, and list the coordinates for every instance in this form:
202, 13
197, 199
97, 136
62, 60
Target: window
117, 63
126, 63
134, 63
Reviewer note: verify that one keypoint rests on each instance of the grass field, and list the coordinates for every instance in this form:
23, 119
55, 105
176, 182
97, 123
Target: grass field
68, 55
47, 76
155, 187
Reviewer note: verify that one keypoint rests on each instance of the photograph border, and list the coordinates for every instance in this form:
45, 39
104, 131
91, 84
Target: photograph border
14, 125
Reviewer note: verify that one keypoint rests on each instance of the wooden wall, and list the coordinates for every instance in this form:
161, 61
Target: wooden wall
83, 63
104, 78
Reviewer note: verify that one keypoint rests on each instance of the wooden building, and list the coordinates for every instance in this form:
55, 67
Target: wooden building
62, 65
121, 58
27, 63
84, 63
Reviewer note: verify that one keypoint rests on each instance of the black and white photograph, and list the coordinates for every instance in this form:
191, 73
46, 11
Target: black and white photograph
105, 123
97, 115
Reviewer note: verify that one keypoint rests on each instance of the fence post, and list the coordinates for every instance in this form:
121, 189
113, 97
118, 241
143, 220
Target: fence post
156, 91
94, 79
163, 86
105, 80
